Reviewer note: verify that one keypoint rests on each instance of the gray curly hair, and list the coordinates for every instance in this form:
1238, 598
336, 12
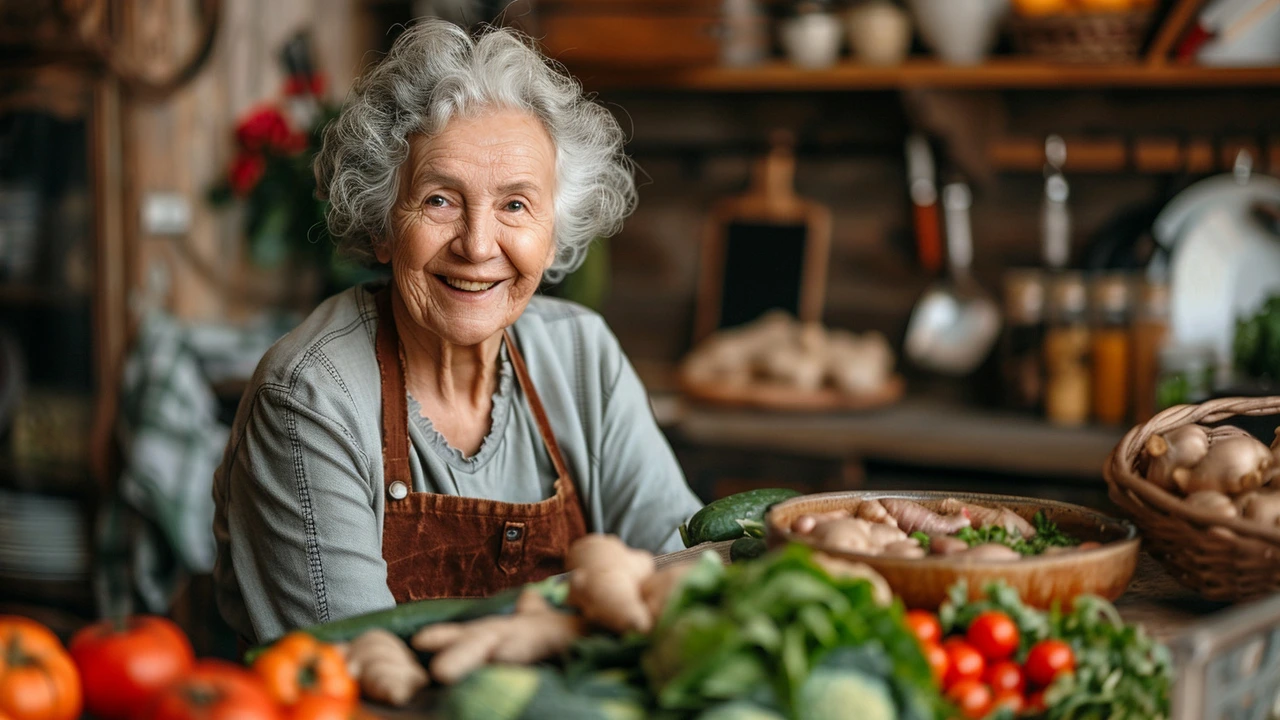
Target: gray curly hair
436, 71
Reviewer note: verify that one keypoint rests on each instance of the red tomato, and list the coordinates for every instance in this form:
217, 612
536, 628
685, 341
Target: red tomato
1010, 700
1004, 676
938, 659
214, 690
966, 662
925, 626
994, 635
1048, 659
123, 665
971, 697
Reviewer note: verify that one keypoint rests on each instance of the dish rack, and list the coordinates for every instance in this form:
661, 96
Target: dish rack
1084, 38
1229, 665
1225, 559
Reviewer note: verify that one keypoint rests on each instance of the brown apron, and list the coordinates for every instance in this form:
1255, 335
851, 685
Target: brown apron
448, 546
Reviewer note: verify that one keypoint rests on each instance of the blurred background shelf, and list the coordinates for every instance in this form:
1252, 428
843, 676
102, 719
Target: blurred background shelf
918, 431
781, 76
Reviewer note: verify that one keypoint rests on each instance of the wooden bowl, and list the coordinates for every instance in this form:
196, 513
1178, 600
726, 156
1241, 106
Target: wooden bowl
1040, 580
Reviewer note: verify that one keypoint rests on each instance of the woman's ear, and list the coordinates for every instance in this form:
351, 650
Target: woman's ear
382, 250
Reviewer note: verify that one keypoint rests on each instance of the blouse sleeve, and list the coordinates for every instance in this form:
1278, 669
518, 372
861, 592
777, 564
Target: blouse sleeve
646, 497
304, 536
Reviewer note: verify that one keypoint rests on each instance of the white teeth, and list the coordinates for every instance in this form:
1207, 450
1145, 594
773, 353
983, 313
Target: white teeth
468, 285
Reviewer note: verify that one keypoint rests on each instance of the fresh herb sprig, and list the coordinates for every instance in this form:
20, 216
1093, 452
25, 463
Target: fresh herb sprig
1048, 535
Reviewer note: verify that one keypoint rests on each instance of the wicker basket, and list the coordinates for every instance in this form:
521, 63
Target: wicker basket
1099, 38
1224, 559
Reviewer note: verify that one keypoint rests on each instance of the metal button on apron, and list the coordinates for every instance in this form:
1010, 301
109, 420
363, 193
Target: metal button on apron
513, 533
398, 490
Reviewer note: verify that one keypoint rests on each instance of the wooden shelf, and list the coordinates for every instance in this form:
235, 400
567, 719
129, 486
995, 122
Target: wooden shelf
28, 294
1004, 73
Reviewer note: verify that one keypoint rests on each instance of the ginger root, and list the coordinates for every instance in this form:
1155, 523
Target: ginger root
913, 517
658, 587
605, 583
1232, 466
1179, 448
385, 668
855, 535
840, 568
535, 632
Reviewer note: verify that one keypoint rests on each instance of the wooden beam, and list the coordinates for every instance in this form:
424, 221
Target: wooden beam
1175, 24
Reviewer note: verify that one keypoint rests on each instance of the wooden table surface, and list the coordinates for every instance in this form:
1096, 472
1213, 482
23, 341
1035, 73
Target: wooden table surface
1154, 599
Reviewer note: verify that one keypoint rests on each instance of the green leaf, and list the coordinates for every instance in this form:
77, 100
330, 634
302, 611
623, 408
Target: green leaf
268, 244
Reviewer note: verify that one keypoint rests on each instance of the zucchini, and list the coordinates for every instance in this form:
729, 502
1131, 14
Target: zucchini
723, 519
406, 619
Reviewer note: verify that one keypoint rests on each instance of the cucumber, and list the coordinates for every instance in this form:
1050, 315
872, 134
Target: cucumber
746, 548
720, 520
407, 618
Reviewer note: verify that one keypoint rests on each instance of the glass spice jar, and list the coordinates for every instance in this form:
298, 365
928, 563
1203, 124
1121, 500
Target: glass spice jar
1110, 348
1150, 332
1022, 341
1067, 392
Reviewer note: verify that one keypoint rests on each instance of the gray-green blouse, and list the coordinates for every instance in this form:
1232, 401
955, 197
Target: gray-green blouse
299, 498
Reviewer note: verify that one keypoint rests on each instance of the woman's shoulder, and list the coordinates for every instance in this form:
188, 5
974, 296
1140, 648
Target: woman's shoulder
574, 334
328, 348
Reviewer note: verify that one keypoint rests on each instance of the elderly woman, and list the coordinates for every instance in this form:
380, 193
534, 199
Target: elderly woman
449, 434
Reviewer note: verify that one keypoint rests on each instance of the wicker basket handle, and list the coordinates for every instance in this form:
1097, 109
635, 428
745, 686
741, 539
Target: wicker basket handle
1121, 471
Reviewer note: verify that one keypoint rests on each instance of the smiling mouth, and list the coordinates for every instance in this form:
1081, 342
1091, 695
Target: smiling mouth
466, 285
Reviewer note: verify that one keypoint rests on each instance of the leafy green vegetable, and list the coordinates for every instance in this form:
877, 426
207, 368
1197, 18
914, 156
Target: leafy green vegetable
1121, 672
922, 538
1257, 341
1048, 535
757, 629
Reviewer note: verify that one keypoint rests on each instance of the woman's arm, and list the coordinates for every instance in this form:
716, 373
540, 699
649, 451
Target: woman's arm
645, 495
303, 535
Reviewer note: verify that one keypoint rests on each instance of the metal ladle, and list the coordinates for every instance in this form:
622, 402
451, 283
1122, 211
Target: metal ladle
955, 323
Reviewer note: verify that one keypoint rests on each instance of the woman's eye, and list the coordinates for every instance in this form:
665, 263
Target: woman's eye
515, 206
437, 201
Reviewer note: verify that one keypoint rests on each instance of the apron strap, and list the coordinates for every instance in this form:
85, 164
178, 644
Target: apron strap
535, 404
395, 409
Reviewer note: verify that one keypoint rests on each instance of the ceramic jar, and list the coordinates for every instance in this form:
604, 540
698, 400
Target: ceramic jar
812, 37
961, 32
879, 32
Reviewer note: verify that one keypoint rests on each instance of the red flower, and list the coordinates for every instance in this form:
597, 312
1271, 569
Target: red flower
303, 85
294, 144
246, 171
262, 129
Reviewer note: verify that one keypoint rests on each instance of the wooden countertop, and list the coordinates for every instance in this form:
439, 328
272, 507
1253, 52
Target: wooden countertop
917, 430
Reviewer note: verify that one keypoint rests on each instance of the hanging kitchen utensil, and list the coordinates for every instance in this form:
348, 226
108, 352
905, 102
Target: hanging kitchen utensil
924, 203
955, 323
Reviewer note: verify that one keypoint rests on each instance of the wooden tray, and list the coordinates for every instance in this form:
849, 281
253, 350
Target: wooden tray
770, 396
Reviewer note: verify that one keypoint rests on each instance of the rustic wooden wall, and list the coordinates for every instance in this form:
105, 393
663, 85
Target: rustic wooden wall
183, 143
696, 148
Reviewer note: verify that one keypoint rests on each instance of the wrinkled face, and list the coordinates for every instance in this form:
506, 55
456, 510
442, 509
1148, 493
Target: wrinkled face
473, 230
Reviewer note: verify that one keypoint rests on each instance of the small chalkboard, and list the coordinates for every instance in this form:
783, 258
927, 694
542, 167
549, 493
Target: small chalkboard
764, 250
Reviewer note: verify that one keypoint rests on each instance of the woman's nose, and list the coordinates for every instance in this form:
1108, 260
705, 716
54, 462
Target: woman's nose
478, 239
